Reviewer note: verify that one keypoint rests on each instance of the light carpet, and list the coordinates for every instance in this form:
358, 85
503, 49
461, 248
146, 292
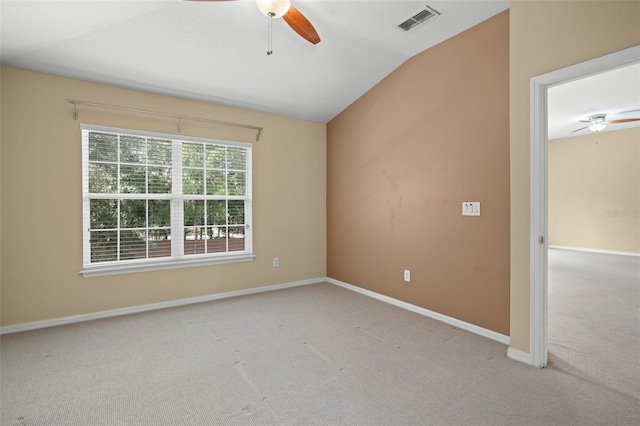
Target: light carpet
316, 355
594, 317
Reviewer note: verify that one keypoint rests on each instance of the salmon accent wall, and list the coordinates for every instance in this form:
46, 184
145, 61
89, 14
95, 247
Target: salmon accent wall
594, 191
400, 162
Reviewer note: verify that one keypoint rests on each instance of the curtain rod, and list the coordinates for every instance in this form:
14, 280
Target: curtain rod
76, 102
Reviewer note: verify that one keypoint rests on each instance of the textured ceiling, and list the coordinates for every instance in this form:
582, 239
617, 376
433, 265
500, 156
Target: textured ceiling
216, 51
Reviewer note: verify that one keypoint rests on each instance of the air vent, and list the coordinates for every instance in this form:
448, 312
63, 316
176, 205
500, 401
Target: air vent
420, 17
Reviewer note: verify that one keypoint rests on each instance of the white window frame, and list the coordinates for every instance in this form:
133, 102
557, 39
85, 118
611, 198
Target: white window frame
177, 259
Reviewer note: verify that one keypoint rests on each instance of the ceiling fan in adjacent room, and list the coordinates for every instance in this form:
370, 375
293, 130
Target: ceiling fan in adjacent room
598, 122
292, 16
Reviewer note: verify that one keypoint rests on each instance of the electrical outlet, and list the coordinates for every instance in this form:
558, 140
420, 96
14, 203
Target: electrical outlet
276, 262
407, 275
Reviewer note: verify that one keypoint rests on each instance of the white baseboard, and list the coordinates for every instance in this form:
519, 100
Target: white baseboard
519, 355
188, 301
149, 307
590, 250
426, 312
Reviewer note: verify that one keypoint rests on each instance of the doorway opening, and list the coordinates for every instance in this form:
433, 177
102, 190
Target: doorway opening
538, 226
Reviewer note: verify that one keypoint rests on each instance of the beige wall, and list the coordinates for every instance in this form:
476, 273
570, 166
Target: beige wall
594, 191
546, 36
0, 189
400, 162
41, 202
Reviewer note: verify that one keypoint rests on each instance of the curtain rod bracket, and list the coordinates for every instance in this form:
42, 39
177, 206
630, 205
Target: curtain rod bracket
76, 102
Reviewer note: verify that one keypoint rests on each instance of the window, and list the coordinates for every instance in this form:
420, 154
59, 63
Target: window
153, 201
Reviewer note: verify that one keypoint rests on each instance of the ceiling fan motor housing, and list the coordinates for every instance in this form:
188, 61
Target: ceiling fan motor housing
598, 118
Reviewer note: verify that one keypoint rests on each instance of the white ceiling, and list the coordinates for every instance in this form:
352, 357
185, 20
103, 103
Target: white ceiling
216, 51
615, 93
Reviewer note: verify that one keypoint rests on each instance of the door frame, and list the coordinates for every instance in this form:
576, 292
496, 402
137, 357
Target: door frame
538, 186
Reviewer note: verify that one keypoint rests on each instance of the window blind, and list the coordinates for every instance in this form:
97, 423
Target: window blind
153, 197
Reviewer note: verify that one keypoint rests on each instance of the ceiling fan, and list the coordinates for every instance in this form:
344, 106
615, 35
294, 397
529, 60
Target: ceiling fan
292, 16
598, 122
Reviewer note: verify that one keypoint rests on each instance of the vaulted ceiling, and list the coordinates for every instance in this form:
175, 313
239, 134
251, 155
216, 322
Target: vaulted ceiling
216, 51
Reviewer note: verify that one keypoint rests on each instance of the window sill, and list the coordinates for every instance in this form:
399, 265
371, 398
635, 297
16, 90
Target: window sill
102, 270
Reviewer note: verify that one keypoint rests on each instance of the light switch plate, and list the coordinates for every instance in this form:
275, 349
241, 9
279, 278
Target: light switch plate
471, 208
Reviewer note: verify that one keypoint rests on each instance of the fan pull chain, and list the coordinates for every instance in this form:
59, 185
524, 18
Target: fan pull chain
270, 34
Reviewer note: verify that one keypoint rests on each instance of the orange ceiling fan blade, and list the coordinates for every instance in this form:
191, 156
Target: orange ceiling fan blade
624, 120
296, 21
582, 128
301, 25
